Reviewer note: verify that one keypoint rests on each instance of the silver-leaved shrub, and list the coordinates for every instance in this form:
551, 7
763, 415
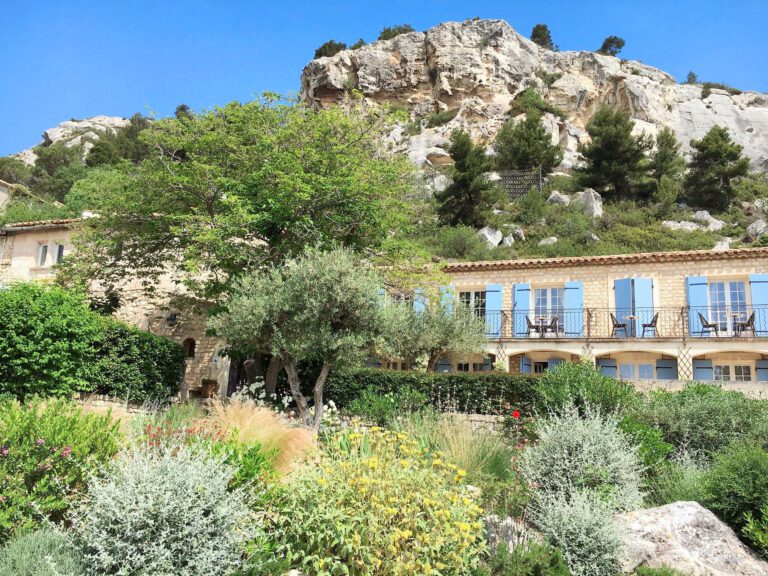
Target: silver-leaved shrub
164, 511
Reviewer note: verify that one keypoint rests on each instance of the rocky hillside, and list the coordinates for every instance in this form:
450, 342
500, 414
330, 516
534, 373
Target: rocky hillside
478, 67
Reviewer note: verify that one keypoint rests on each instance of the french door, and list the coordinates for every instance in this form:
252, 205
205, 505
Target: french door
727, 305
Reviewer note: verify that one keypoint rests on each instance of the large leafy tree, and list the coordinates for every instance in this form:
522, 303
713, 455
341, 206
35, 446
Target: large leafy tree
526, 144
319, 307
226, 191
471, 196
715, 162
614, 159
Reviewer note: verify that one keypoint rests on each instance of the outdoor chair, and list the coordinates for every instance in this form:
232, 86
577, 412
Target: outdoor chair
747, 325
708, 326
651, 326
553, 326
532, 327
617, 326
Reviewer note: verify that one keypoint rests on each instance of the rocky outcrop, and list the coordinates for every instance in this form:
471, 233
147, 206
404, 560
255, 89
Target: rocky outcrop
491, 236
557, 197
477, 67
75, 133
757, 229
686, 537
706, 219
590, 201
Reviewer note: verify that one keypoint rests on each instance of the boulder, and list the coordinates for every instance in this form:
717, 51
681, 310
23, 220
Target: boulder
508, 240
508, 530
491, 236
756, 229
440, 182
591, 202
592, 237
707, 220
559, 198
516, 231
548, 241
723, 244
682, 225
686, 537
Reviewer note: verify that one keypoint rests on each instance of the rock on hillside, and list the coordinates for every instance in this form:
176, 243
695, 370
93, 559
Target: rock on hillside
479, 66
75, 132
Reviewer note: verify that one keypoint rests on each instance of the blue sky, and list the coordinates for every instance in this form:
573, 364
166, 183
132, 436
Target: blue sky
61, 59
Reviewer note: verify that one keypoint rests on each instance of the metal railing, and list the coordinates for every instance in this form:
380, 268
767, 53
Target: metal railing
637, 323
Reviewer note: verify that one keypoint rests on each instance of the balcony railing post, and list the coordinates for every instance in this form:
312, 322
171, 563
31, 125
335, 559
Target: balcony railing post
589, 323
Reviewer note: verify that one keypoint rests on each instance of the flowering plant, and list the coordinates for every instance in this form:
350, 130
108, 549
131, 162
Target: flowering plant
518, 421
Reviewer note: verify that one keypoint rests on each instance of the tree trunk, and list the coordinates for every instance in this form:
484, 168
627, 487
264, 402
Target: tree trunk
432, 363
273, 371
318, 394
301, 403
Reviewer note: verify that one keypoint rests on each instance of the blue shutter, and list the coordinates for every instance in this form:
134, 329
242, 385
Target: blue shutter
643, 288
703, 371
493, 295
447, 297
552, 362
696, 289
607, 367
761, 368
444, 365
574, 309
622, 292
419, 300
666, 369
758, 284
521, 308
487, 364
525, 365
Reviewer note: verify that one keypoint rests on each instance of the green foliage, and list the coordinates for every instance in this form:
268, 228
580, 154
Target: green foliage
474, 392
665, 160
57, 167
692, 78
183, 111
652, 450
611, 46
667, 192
135, 365
614, 158
715, 162
376, 504
384, 408
46, 452
46, 341
532, 206
88, 192
750, 187
531, 559
389, 32
541, 36
529, 100
526, 144
470, 197
702, 419
125, 143
663, 571
330, 48
359, 44
581, 385
756, 530
28, 210
677, 480
460, 243
706, 89
737, 483
549, 78
14, 171
166, 511
44, 552
442, 117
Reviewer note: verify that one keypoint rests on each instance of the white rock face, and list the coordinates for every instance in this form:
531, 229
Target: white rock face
559, 198
548, 241
517, 231
592, 237
710, 222
686, 537
682, 225
75, 132
491, 236
508, 240
756, 229
723, 244
590, 201
478, 67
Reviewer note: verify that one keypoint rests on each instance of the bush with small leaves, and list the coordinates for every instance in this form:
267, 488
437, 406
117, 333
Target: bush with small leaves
390, 32
531, 559
756, 530
165, 511
330, 48
384, 408
41, 553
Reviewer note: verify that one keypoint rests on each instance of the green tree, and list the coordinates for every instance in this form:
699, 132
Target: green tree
14, 171
611, 46
715, 162
541, 36
330, 48
359, 44
614, 158
319, 307
665, 160
389, 32
182, 111
57, 168
667, 192
692, 78
471, 196
125, 143
526, 144
229, 189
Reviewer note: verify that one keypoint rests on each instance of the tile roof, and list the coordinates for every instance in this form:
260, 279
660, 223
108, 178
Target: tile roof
60, 223
644, 257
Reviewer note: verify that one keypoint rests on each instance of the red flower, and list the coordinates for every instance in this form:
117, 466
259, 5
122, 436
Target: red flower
515, 414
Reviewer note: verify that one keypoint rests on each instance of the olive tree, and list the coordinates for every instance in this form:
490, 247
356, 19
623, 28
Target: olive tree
317, 307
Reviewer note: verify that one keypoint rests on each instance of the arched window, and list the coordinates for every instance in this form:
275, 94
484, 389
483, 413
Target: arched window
189, 347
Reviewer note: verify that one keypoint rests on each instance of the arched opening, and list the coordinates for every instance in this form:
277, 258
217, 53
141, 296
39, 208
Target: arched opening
189, 347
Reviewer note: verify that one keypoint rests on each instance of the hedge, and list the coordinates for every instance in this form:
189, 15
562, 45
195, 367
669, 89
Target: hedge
477, 392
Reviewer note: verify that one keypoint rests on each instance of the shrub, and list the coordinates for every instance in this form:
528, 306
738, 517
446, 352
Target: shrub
652, 450
40, 553
460, 242
577, 453
530, 100
756, 530
137, 365
478, 392
737, 484
385, 408
375, 504
706, 89
582, 385
164, 511
46, 341
442, 117
582, 529
703, 419
330, 48
663, 571
390, 32
46, 452
531, 559
679, 480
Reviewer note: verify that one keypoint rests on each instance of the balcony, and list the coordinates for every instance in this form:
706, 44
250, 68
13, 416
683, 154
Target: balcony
640, 323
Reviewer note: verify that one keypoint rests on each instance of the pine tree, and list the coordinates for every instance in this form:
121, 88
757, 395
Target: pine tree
692, 78
470, 197
611, 46
526, 144
666, 159
541, 36
716, 161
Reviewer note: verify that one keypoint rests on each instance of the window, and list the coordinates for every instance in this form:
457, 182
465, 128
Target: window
189, 347
462, 367
727, 304
475, 301
42, 254
477, 366
540, 367
549, 302
722, 372
627, 372
645, 372
742, 373
59, 255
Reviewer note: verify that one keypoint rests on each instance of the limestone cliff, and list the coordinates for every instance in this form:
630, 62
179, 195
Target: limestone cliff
479, 66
